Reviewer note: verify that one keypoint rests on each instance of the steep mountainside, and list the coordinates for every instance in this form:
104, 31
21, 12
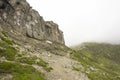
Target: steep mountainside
100, 61
21, 59
31, 48
34, 49
17, 17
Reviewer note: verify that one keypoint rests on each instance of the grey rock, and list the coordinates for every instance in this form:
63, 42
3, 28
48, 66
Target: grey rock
18, 17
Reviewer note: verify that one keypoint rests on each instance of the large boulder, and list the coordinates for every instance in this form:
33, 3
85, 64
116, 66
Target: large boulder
17, 16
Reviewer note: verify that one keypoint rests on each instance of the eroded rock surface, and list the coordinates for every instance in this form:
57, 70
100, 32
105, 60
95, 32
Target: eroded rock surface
17, 16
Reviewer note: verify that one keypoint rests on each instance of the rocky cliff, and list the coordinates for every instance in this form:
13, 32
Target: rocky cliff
31, 48
17, 17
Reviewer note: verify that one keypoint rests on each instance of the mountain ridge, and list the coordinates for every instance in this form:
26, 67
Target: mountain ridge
34, 49
18, 17
100, 59
31, 48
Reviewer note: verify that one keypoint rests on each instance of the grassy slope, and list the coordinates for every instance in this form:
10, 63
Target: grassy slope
13, 62
17, 59
100, 61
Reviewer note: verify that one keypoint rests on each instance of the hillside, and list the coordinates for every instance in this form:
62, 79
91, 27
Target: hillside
101, 61
23, 59
34, 49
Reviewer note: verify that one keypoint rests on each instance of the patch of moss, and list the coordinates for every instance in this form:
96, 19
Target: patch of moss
15, 67
6, 49
20, 72
33, 76
5, 34
44, 65
76, 69
10, 42
19, 55
48, 69
27, 60
8, 52
33, 60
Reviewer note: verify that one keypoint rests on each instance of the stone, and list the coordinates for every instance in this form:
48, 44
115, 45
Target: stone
18, 16
49, 42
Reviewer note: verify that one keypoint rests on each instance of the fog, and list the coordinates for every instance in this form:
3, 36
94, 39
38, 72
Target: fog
83, 20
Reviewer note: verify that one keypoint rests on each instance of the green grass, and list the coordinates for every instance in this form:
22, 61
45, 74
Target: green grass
44, 65
8, 41
76, 69
33, 60
21, 72
4, 37
27, 60
7, 51
14, 66
5, 34
33, 76
104, 58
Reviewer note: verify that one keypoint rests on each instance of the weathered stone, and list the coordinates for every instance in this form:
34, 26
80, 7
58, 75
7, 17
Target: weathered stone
17, 16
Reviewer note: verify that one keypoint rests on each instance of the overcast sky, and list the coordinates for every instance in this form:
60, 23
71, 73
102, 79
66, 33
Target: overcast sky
83, 20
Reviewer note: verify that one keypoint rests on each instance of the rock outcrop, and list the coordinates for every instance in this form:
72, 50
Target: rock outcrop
16, 16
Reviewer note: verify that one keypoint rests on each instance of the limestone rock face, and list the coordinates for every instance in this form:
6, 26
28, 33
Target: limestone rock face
18, 17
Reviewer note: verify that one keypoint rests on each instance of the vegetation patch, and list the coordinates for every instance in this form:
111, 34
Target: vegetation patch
19, 65
76, 69
5, 34
20, 72
99, 61
8, 41
7, 51
27, 60
44, 65
34, 60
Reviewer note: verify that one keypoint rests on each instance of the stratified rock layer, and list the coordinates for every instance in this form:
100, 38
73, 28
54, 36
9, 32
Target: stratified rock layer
18, 17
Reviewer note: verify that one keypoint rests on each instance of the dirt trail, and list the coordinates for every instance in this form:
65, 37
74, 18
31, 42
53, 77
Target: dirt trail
62, 68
